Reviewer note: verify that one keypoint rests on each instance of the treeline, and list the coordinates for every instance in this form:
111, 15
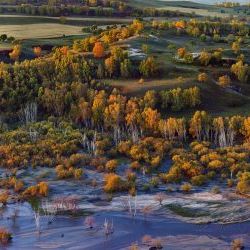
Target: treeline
107, 8
47, 10
228, 4
197, 28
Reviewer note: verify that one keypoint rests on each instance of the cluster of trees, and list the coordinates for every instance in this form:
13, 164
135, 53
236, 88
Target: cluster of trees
53, 147
178, 99
33, 80
39, 190
149, 150
228, 4
201, 163
12, 183
109, 36
69, 167
5, 38
240, 69
200, 28
29, 81
86, 8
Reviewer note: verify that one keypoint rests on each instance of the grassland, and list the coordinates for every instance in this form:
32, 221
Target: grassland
27, 27
202, 9
45, 30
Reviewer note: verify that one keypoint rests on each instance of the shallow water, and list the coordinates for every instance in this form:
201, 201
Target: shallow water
71, 233
194, 222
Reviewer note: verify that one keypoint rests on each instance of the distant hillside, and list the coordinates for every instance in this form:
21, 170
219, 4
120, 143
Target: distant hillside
162, 3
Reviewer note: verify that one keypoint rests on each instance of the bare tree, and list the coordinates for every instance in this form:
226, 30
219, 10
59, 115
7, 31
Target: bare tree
160, 197
146, 210
89, 222
49, 210
108, 227
29, 113
37, 220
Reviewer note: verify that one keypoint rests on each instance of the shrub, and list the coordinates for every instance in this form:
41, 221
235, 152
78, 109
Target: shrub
203, 77
63, 172
186, 187
113, 183
230, 183
5, 236
215, 190
135, 165
4, 197
224, 81
243, 185
111, 165
147, 240
134, 247
41, 189
199, 180
237, 244
154, 182
78, 173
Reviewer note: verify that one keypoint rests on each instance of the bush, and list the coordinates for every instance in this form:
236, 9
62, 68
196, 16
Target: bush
230, 183
186, 187
154, 182
215, 190
199, 180
135, 165
5, 236
4, 198
243, 185
111, 165
237, 244
78, 173
41, 189
113, 183
63, 172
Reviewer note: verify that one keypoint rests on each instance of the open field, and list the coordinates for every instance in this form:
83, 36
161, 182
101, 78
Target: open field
46, 30
81, 21
25, 27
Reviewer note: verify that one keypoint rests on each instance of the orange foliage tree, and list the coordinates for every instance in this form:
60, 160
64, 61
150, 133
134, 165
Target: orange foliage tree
98, 50
37, 51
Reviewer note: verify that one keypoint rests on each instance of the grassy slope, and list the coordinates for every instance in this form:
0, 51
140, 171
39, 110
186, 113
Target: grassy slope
162, 3
186, 6
215, 99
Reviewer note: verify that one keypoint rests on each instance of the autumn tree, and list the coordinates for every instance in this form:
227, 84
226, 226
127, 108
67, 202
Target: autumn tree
200, 126
205, 58
224, 81
202, 77
243, 185
181, 52
151, 118
110, 65
236, 47
37, 51
241, 70
16, 52
113, 183
98, 50
148, 67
